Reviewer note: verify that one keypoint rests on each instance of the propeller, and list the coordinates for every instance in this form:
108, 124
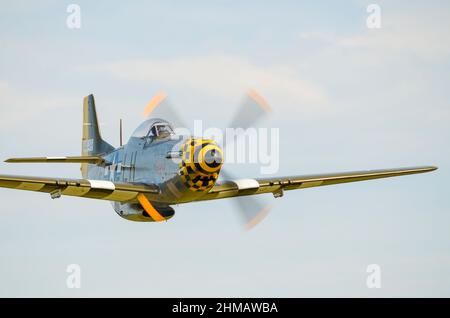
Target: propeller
166, 109
252, 210
252, 109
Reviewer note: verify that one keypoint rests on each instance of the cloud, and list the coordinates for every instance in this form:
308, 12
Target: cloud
219, 75
422, 34
18, 107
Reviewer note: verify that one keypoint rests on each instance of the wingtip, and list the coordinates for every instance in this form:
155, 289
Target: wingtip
428, 168
425, 168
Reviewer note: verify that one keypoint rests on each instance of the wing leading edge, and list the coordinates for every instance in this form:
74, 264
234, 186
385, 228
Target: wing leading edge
236, 188
77, 159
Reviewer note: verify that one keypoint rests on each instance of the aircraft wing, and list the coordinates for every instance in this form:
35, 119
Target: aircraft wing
93, 189
246, 187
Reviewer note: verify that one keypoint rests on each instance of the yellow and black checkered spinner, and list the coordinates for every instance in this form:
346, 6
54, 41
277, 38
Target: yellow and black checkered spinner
197, 172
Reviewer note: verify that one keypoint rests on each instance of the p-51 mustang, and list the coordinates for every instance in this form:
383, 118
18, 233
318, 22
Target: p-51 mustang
146, 177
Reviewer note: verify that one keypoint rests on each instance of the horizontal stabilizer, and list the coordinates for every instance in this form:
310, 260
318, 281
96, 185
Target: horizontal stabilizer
80, 159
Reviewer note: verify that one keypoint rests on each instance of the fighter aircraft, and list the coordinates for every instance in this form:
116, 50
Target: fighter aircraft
158, 169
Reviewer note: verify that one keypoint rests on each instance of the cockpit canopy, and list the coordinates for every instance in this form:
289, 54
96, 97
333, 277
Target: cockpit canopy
158, 128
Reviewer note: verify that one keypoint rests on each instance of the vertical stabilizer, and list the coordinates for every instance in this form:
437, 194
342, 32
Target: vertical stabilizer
93, 144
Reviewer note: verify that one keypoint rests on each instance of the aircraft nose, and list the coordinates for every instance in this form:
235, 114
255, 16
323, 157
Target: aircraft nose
201, 163
211, 158
203, 156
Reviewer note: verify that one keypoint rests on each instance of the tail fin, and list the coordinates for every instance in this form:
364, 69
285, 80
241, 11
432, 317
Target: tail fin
93, 144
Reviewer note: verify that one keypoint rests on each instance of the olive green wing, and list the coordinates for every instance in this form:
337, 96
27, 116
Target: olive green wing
92, 189
277, 186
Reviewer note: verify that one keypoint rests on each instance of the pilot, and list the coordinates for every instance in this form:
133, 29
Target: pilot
163, 131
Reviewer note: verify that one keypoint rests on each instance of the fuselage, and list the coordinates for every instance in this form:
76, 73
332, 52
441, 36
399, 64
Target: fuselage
183, 167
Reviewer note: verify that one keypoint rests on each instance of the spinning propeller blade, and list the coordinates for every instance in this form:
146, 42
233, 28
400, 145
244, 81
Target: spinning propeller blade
160, 105
253, 108
252, 210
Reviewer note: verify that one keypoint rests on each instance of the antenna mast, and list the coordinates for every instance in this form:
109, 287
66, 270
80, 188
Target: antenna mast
121, 133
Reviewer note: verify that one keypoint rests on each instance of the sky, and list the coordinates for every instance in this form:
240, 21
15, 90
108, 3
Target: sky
344, 97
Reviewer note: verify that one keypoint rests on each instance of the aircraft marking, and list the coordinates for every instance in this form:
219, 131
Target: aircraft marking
246, 184
100, 184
